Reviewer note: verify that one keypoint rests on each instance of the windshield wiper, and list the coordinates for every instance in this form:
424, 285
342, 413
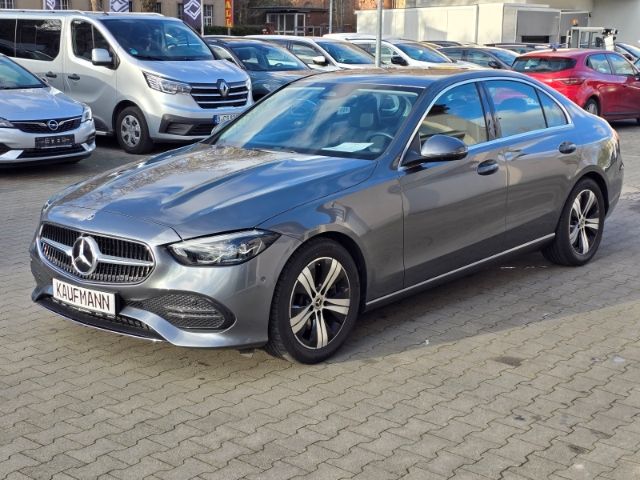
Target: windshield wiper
149, 57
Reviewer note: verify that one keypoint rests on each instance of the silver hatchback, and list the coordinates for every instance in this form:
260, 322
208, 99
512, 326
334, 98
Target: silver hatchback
39, 123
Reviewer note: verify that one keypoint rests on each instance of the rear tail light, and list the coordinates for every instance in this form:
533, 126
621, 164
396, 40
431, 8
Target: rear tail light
572, 80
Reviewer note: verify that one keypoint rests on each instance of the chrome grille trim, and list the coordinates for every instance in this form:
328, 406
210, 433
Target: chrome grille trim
120, 261
41, 126
207, 95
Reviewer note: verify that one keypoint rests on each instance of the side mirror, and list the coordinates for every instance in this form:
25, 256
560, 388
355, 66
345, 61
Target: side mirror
494, 64
101, 57
439, 148
398, 60
320, 60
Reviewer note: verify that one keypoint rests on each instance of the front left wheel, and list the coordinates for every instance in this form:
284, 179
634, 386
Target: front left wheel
132, 131
315, 304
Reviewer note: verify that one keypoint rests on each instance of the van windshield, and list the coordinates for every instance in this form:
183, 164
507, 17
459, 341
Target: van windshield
157, 39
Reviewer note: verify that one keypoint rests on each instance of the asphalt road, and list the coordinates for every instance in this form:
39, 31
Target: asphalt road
523, 371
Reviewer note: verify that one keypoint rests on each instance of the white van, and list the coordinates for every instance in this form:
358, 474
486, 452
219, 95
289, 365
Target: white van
146, 77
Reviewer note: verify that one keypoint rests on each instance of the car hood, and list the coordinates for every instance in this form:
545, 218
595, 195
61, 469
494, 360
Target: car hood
207, 71
202, 189
37, 104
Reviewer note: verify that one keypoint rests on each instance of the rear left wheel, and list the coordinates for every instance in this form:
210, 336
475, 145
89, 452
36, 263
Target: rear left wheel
592, 107
315, 303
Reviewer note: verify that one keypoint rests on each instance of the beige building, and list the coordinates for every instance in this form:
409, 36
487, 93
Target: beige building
213, 10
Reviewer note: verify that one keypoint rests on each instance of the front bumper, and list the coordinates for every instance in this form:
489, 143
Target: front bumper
18, 147
243, 292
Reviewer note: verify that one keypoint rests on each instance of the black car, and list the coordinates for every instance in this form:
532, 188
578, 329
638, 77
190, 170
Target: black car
490, 57
269, 66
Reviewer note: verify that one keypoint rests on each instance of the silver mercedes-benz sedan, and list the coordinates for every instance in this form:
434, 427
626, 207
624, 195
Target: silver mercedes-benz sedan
333, 195
39, 123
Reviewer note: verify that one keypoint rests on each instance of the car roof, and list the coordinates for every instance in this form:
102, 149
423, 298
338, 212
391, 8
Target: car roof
564, 52
410, 77
296, 37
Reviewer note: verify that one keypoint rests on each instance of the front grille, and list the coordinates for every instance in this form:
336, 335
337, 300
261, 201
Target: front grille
208, 95
120, 261
51, 152
187, 310
41, 126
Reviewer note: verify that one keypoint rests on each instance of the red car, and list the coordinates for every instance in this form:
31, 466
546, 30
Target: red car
602, 82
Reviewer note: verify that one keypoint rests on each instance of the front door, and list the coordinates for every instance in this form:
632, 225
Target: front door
454, 212
88, 83
630, 92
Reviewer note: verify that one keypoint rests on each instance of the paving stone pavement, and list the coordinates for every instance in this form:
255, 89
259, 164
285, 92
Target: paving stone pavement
523, 371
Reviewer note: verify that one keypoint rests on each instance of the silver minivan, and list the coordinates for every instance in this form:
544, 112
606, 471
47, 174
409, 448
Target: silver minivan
146, 77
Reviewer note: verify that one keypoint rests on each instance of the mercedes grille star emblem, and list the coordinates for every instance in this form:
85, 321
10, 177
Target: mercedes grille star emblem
84, 255
223, 87
53, 125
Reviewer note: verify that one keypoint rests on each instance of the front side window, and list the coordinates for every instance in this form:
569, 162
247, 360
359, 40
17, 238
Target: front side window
517, 107
7, 36
85, 37
304, 52
262, 57
347, 53
454, 54
621, 66
158, 39
457, 113
479, 58
13, 76
38, 39
329, 119
599, 63
385, 52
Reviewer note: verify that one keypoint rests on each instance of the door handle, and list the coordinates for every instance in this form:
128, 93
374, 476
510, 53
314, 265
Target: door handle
567, 147
488, 167
50, 75
74, 76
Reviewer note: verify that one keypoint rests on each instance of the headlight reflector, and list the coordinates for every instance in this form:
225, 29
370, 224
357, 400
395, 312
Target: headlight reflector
165, 85
222, 250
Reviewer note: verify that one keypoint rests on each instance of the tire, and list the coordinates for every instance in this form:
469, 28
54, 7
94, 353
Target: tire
132, 131
592, 107
568, 247
325, 316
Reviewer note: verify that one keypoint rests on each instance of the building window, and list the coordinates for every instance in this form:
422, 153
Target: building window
158, 7
207, 14
6, 4
64, 4
181, 11
131, 6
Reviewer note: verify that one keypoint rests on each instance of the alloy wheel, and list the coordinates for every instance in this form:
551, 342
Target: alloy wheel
320, 302
130, 131
584, 222
592, 108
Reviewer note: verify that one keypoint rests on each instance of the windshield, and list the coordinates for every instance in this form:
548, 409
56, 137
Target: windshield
262, 57
12, 76
157, 39
422, 53
506, 56
343, 52
543, 64
338, 120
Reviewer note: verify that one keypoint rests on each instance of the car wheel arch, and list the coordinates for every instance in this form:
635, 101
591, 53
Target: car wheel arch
118, 108
596, 98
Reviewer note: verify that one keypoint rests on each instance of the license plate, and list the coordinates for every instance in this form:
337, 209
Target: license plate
226, 117
85, 298
54, 142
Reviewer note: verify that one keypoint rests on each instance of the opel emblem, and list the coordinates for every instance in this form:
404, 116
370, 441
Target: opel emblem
53, 125
223, 87
84, 255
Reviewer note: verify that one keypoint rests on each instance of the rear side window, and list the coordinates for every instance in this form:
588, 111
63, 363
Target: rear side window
599, 63
517, 107
552, 112
457, 113
621, 66
38, 39
85, 38
453, 54
7, 37
479, 58
543, 64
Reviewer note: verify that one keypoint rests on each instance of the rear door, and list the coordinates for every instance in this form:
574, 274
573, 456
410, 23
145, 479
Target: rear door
630, 91
94, 85
608, 86
539, 147
38, 48
454, 212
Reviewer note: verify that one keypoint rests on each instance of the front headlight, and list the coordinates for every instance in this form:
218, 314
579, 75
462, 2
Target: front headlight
165, 85
86, 114
5, 123
222, 250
